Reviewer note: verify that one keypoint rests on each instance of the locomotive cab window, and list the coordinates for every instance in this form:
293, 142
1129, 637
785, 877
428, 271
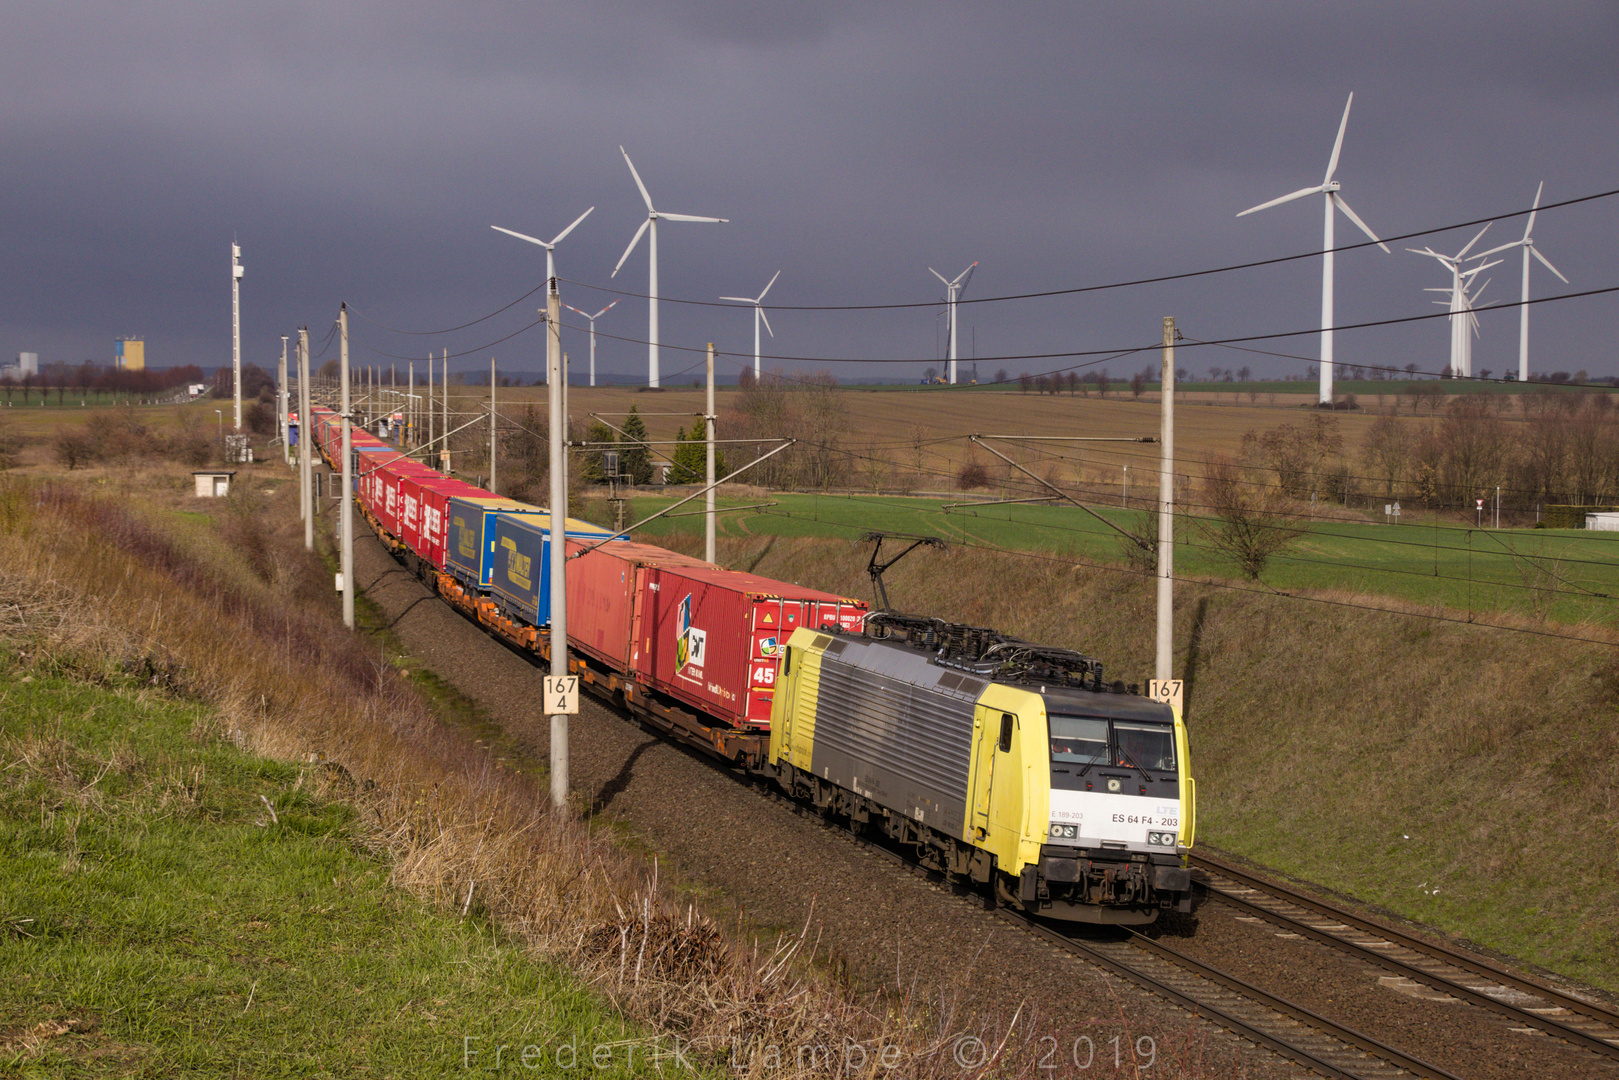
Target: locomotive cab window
1149, 746
1086, 741
1007, 721
1079, 740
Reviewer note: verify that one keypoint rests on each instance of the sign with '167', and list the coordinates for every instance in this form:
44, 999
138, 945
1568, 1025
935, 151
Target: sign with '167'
561, 694
1167, 691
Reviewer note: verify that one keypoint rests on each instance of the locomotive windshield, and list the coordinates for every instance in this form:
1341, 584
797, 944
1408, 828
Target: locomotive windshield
1086, 741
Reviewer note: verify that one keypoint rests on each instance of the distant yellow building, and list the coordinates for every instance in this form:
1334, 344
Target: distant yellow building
129, 354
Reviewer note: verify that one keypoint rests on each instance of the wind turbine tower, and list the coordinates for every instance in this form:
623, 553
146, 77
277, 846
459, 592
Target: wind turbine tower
551, 265
1529, 248
1463, 323
651, 223
1328, 188
592, 319
954, 289
758, 317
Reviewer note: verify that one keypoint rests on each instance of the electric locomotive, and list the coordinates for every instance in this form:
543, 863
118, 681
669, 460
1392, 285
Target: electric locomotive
998, 761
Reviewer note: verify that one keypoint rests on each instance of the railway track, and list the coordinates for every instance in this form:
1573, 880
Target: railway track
1532, 1005
1249, 1012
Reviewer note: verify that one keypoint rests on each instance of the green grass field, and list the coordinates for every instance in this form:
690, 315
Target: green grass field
1568, 575
159, 918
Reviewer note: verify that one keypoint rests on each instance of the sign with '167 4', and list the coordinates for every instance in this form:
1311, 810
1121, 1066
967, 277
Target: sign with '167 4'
561, 694
1167, 691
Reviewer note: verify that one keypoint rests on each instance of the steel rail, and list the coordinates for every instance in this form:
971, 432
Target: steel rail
1331, 1028
1470, 964
1439, 982
1220, 1017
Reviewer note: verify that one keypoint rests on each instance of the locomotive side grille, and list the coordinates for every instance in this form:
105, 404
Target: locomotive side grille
907, 747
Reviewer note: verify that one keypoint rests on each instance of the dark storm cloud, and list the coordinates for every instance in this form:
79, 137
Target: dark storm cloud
361, 152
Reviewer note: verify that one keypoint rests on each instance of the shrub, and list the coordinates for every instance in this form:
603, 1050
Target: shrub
972, 475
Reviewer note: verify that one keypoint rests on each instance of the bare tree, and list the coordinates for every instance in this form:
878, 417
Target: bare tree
1253, 522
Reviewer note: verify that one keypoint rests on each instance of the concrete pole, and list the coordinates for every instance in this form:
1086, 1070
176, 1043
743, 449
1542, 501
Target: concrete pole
430, 413
281, 403
444, 451
559, 543
492, 424
236, 271
410, 406
346, 498
1166, 512
708, 465
306, 476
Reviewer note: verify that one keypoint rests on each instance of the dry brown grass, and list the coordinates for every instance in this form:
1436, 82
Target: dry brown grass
235, 616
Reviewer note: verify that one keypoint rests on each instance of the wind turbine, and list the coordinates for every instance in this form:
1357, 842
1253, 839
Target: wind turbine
954, 288
651, 222
1463, 323
758, 316
550, 251
1528, 245
592, 319
1328, 188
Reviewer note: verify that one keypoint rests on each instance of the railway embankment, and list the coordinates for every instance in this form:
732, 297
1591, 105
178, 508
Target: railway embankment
1457, 776
214, 609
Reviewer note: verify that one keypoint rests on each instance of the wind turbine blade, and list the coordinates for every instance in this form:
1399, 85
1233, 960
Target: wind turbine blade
938, 275
633, 241
520, 236
605, 310
689, 217
1338, 145
739, 299
1530, 224
767, 289
558, 238
1473, 241
1338, 201
1299, 194
637, 176
966, 276
1497, 250
1546, 262
575, 310
766, 319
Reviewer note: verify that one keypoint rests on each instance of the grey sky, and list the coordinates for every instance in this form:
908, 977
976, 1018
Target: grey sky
360, 152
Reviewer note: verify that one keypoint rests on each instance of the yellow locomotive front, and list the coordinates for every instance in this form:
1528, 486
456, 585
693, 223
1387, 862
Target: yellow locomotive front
998, 761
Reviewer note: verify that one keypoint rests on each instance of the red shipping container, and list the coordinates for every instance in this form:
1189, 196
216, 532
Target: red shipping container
713, 637
603, 587
423, 519
389, 478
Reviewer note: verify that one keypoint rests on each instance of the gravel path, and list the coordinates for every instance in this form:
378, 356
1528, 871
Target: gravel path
744, 857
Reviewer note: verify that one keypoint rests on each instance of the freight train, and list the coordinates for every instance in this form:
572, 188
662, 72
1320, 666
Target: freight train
998, 763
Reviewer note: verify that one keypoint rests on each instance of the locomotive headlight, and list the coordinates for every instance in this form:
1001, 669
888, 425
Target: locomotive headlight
1166, 839
1064, 832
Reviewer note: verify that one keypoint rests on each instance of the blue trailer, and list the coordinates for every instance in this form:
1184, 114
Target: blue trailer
520, 563
469, 549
